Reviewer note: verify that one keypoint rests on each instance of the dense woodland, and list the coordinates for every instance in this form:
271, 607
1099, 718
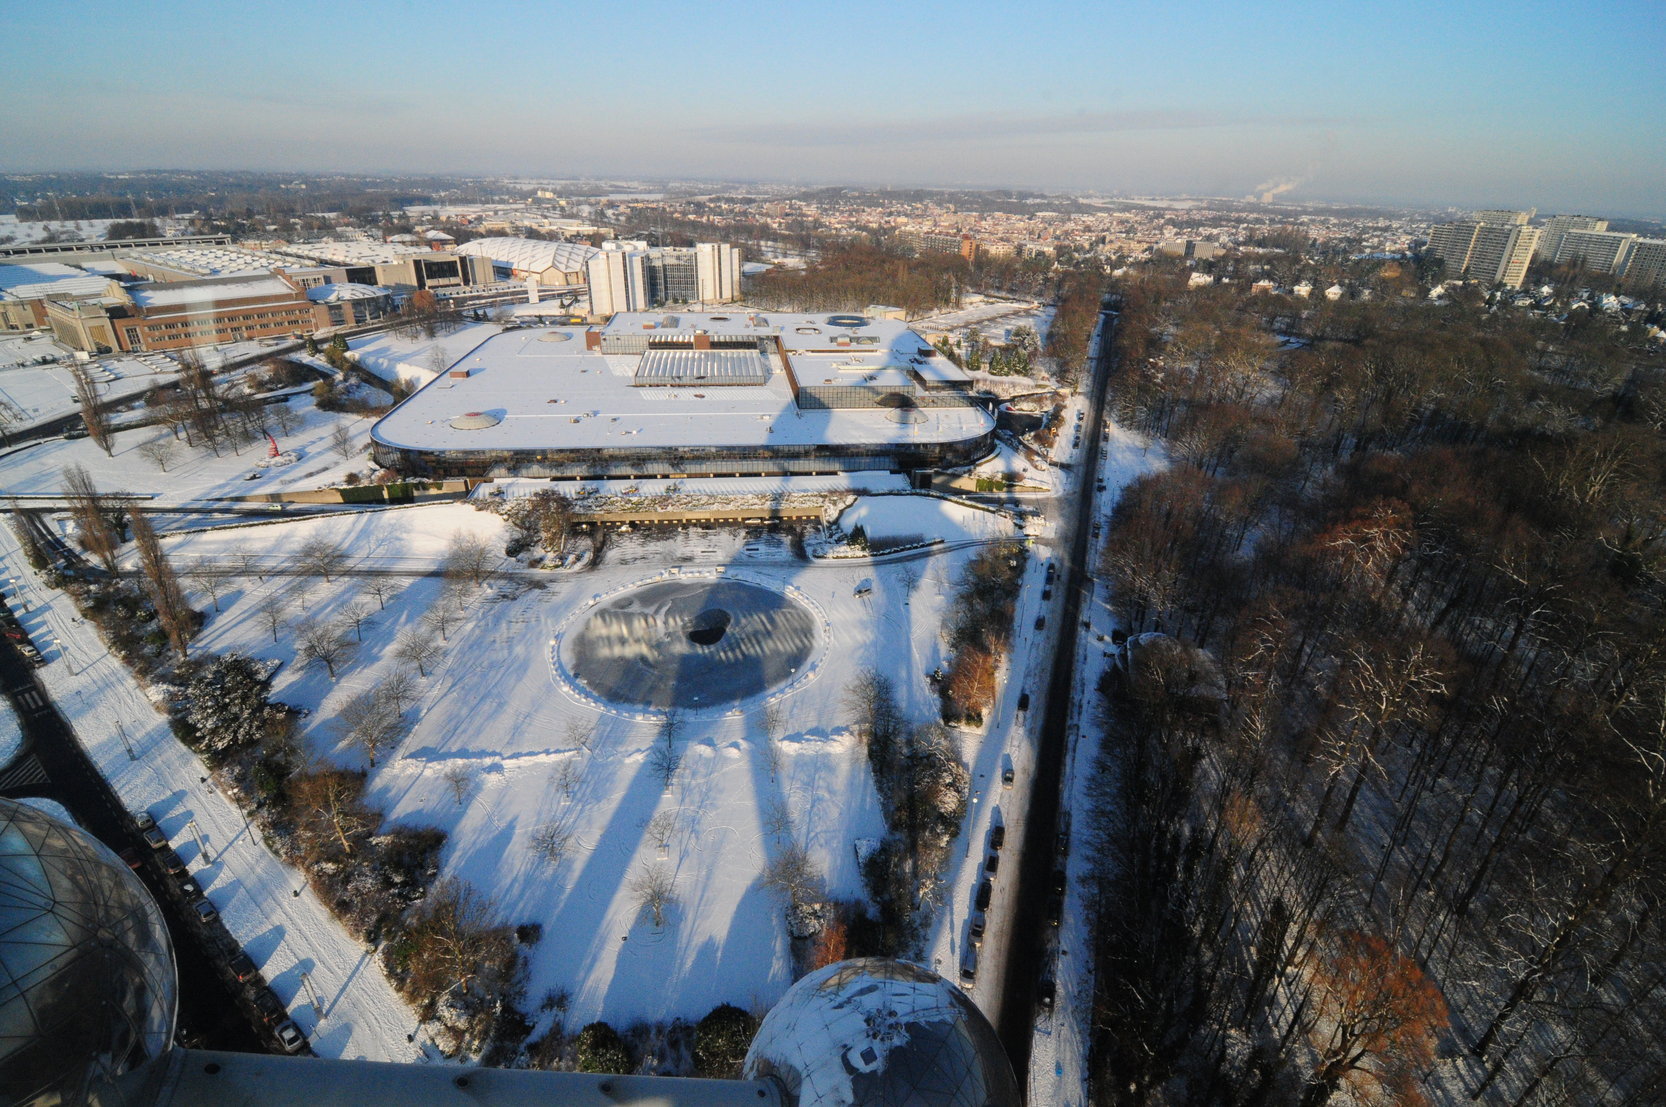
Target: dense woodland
1389, 790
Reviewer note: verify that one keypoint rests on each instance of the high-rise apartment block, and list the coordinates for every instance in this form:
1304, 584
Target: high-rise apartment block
1645, 265
1505, 218
632, 276
1558, 225
1598, 251
1492, 252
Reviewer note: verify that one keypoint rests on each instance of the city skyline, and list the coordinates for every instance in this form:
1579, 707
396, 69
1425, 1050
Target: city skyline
1490, 105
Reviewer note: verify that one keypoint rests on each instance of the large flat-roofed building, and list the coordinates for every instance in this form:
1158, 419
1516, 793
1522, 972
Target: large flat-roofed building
1558, 225
181, 314
1494, 251
687, 394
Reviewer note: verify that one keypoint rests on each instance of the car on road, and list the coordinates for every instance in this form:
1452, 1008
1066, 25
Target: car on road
171, 861
290, 1036
992, 863
997, 837
969, 969
1008, 776
204, 911
974, 931
154, 838
1041, 622
144, 821
986, 892
134, 859
1024, 701
1044, 995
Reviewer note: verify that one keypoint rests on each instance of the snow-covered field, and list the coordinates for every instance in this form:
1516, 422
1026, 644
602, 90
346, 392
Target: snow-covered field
194, 474
533, 753
416, 361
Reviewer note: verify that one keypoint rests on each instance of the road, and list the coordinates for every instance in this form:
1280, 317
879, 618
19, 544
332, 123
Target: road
1027, 950
53, 765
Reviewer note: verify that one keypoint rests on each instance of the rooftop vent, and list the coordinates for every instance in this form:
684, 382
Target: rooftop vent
475, 420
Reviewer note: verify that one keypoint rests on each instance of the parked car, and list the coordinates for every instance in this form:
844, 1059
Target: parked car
969, 969
241, 966
1007, 777
1055, 909
986, 892
134, 859
974, 932
154, 838
144, 821
204, 911
1044, 995
1058, 882
268, 1006
171, 861
290, 1036
1023, 701
992, 863
1040, 622
997, 837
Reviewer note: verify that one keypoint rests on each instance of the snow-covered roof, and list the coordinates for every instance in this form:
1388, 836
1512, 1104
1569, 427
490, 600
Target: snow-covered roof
337, 293
552, 390
195, 292
36, 272
530, 255
77, 287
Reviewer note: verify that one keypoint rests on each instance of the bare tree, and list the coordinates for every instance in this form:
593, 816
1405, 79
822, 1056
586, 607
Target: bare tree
442, 618
273, 610
400, 689
568, 776
175, 615
205, 577
459, 780
381, 588
86, 395
550, 841
416, 648
656, 891
245, 561
285, 417
469, 557
793, 874
665, 760
661, 827
370, 722
91, 509
356, 614
159, 450
341, 440
581, 732
319, 644
320, 556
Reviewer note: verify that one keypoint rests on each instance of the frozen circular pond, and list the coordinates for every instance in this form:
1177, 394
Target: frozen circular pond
689, 644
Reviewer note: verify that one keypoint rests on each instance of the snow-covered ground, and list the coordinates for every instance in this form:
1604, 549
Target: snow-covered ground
924, 519
195, 474
265, 904
418, 360
994, 319
495, 711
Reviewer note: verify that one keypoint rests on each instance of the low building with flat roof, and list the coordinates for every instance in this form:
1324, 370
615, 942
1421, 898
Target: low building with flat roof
684, 394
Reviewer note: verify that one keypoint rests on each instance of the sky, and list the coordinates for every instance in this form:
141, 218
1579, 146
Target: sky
1426, 102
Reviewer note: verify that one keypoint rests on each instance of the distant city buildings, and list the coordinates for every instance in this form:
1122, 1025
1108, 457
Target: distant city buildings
1497, 245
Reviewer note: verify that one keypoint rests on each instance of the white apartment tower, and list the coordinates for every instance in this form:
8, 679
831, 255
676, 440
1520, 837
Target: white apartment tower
1495, 252
1558, 225
1505, 218
717, 271
1598, 251
1451, 243
618, 280
1646, 264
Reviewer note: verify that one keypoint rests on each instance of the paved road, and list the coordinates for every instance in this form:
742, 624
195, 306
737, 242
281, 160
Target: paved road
53, 765
1028, 951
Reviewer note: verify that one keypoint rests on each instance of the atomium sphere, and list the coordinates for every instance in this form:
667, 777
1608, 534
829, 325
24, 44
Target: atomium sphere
876, 1031
87, 984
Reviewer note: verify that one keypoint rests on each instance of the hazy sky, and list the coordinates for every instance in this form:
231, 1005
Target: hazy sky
1558, 105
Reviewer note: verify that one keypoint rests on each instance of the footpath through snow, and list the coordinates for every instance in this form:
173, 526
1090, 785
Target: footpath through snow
266, 905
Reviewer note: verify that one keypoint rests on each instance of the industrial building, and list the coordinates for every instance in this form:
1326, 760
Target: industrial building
677, 395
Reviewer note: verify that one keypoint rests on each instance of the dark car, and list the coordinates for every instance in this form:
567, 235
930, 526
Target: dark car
1044, 995
969, 969
974, 932
268, 1006
1058, 882
1024, 701
134, 859
997, 837
992, 863
204, 911
154, 838
241, 966
1055, 909
986, 892
171, 861
1040, 622
1007, 777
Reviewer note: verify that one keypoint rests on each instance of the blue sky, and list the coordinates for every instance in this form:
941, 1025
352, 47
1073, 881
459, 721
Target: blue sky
1458, 102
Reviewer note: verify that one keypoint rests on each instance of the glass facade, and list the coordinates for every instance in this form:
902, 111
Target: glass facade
87, 984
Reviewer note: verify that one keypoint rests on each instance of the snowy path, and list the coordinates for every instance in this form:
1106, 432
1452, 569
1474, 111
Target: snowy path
288, 936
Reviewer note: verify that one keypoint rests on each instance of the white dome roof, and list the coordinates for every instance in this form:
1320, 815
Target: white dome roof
336, 293
531, 255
